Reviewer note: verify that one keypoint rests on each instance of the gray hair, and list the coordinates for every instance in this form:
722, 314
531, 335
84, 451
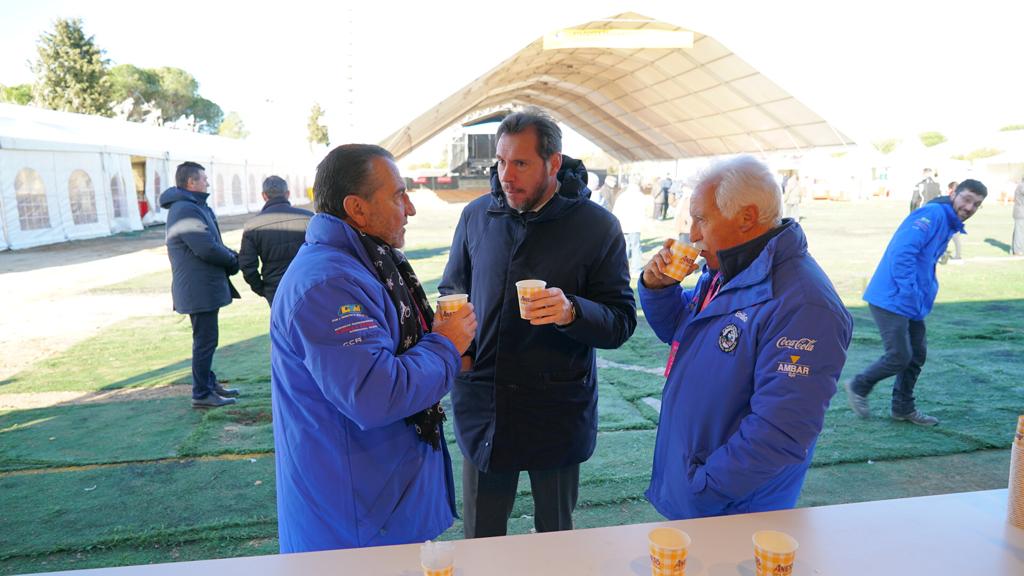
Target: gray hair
275, 187
742, 181
549, 135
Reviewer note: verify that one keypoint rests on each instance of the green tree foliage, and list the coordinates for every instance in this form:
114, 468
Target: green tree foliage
978, 154
140, 84
233, 127
71, 73
208, 113
19, 94
317, 131
930, 139
1012, 127
886, 146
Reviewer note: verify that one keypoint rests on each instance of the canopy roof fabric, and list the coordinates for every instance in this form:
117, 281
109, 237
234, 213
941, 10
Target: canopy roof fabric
639, 104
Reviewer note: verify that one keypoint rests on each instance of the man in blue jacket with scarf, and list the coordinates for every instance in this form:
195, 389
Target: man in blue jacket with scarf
901, 294
200, 266
358, 367
756, 349
528, 400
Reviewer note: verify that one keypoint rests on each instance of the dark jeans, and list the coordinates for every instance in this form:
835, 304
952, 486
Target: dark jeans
488, 498
204, 344
906, 348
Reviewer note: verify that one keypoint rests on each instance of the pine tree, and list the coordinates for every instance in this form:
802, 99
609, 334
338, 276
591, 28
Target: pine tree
71, 73
233, 127
317, 131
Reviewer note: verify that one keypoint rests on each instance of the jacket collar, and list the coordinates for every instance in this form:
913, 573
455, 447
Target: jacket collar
753, 284
332, 231
735, 260
952, 219
276, 202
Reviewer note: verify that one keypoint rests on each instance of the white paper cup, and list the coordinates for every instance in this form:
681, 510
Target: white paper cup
774, 553
450, 304
668, 548
528, 289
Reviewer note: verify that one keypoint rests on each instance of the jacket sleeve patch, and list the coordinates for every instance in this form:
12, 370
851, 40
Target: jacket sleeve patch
351, 320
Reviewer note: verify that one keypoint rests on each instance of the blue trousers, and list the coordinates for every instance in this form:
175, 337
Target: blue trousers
204, 343
906, 348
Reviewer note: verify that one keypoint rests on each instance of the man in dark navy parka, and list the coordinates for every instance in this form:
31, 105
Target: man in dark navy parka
200, 265
527, 399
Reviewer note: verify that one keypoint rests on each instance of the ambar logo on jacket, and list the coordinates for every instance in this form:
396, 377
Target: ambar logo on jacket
793, 369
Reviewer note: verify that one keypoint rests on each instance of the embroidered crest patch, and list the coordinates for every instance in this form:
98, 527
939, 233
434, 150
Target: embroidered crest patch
728, 338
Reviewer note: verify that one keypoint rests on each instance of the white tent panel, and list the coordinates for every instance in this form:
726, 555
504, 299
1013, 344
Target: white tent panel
158, 179
121, 181
31, 203
85, 207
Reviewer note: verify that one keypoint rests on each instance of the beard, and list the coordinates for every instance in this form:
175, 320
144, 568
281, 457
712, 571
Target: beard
525, 200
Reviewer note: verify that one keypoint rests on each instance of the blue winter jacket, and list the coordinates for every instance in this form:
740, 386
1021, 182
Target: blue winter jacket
530, 401
350, 471
751, 377
904, 282
200, 263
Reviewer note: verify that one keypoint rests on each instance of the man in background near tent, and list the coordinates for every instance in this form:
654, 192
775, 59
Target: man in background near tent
200, 265
757, 347
925, 191
901, 294
528, 400
661, 208
359, 364
272, 238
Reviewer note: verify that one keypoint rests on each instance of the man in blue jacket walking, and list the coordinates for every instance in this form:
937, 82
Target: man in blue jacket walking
200, 266
358, 367
756, 349
528, 400
901, 294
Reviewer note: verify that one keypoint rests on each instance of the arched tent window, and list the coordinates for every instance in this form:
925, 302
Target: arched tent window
236, 191
117, 191
254, 194
218, 192
30, 194
83, 198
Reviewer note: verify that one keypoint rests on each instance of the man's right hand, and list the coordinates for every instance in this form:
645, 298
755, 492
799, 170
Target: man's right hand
654, 273
460, 327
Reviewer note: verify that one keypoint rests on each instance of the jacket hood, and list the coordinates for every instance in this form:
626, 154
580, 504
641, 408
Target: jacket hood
572, 176
951, 216
175, 194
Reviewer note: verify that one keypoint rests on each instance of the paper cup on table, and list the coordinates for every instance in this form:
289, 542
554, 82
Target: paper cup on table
774, 553
1019, 437
450, 304
684, 257
437, 558
528, 289
668, 548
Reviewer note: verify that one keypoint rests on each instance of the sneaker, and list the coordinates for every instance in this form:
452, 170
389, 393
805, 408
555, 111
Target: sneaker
226, 392
212, 400
858, 403
917, 417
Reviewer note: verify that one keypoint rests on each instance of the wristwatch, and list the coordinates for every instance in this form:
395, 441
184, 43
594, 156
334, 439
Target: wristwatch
574, 312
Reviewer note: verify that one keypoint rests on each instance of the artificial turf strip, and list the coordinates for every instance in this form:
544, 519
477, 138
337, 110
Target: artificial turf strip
95, 433
132, 504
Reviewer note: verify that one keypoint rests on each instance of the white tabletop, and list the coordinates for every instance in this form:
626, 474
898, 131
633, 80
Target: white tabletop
932, 535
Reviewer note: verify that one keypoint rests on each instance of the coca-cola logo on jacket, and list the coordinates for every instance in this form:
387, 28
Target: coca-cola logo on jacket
806, 344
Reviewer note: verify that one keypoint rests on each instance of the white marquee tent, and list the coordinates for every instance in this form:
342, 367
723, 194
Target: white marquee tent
67, 176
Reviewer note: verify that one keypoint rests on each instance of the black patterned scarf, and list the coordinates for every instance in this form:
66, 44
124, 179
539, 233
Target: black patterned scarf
415, 317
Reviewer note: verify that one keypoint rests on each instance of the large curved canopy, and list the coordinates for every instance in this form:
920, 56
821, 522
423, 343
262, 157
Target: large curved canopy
639, 104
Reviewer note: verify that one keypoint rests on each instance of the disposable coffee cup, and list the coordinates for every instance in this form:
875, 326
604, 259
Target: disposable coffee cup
437, 558
450, 304
528, 289
774, 553
684, 260
668, 548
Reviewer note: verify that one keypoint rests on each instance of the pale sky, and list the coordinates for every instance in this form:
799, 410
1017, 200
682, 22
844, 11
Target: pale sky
872, 68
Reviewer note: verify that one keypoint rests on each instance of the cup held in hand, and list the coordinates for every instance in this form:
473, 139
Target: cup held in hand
528, 289
450, 304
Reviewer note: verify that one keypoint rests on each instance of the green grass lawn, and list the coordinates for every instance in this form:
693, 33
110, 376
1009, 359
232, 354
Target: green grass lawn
151, 480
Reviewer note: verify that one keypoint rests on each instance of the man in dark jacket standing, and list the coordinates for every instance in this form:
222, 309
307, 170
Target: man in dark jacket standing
901, 294
200, 264
273, 237
527, 398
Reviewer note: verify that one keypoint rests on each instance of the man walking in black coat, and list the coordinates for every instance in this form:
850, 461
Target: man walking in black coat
527, 398
200, 265
273, 238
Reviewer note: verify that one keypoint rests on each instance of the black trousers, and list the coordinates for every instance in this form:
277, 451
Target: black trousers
906, 349
205, 335
488, 498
